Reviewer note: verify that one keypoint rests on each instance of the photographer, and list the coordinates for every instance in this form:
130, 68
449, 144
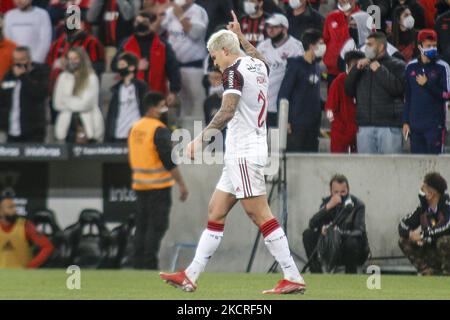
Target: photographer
23, 96
425, 233
347, 214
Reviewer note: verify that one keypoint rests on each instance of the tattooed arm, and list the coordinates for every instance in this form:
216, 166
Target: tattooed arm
220, 120
223, 116
249, 49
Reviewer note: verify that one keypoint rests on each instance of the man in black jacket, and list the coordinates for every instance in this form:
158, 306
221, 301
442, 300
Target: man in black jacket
126, 106
377, 83
425, 233
351, 226
23, 96
301, 87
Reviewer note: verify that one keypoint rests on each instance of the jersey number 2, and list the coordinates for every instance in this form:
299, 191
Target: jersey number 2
262, 97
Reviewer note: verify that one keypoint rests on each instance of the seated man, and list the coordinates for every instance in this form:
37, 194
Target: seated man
425, 233
350, 224
16, 234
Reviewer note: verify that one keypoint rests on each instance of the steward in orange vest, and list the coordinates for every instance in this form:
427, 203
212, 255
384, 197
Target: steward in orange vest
153, 175
16, 234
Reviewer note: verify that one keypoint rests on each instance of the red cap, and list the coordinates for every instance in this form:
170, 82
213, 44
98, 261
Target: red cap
427, 34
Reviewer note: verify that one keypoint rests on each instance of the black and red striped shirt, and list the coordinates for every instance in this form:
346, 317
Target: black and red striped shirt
62, 45
254, 28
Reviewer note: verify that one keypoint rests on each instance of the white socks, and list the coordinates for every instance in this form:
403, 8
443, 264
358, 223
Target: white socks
276, 242
274, 238
207, 245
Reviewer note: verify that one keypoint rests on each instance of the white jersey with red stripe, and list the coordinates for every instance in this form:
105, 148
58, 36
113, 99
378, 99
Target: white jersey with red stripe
246, 135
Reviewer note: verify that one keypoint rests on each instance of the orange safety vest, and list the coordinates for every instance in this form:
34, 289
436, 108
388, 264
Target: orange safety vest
15, 251
148, 171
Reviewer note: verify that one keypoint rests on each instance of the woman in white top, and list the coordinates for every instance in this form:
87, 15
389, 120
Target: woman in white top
76, 98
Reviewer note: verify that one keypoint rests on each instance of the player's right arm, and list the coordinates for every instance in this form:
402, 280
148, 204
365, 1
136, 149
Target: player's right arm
249, 49
233, 83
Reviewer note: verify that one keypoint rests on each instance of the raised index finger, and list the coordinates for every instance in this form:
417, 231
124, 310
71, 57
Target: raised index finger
234, 16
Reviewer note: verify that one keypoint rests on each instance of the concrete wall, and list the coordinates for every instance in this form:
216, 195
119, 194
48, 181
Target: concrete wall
387, 184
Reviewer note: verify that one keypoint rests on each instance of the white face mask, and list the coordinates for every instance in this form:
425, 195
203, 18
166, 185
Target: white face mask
370, 53
408, 22
249, 8
320, 50
346, 7
180, 2
295, 4
163, 110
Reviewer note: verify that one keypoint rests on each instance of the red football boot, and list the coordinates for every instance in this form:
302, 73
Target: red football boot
179, 280
287, 287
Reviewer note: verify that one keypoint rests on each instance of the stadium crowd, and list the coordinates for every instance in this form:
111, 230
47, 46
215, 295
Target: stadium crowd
378, 82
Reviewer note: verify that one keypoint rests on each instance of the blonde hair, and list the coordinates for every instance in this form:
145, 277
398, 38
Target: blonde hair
224, 39
84, 71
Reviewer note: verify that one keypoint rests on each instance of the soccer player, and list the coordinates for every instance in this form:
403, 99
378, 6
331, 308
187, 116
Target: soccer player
243, 111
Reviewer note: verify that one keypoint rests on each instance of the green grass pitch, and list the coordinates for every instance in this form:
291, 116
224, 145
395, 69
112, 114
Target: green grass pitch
106, 284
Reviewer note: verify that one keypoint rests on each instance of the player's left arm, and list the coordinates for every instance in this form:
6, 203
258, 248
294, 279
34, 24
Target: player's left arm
249, 49
224, 115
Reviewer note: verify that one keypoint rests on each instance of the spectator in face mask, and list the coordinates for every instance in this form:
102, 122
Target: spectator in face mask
352, 226
404, 36
276, 50
335, 34
74, 37
427, 89
361, 25
186, 23
16, 236
301, 87
425, 233
416, 10
29, 26
341, 110
23, 97
377, 83
157, 61
252, 23
126, 105
76, 99
302, 16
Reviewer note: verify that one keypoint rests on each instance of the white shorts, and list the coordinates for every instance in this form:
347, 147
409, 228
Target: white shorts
243, 178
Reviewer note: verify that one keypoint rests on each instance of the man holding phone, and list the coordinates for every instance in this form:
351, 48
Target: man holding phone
427, 90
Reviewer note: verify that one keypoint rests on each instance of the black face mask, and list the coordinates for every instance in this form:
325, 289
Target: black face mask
141, 28
354, 34
277, 38
11, 219
123, 72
